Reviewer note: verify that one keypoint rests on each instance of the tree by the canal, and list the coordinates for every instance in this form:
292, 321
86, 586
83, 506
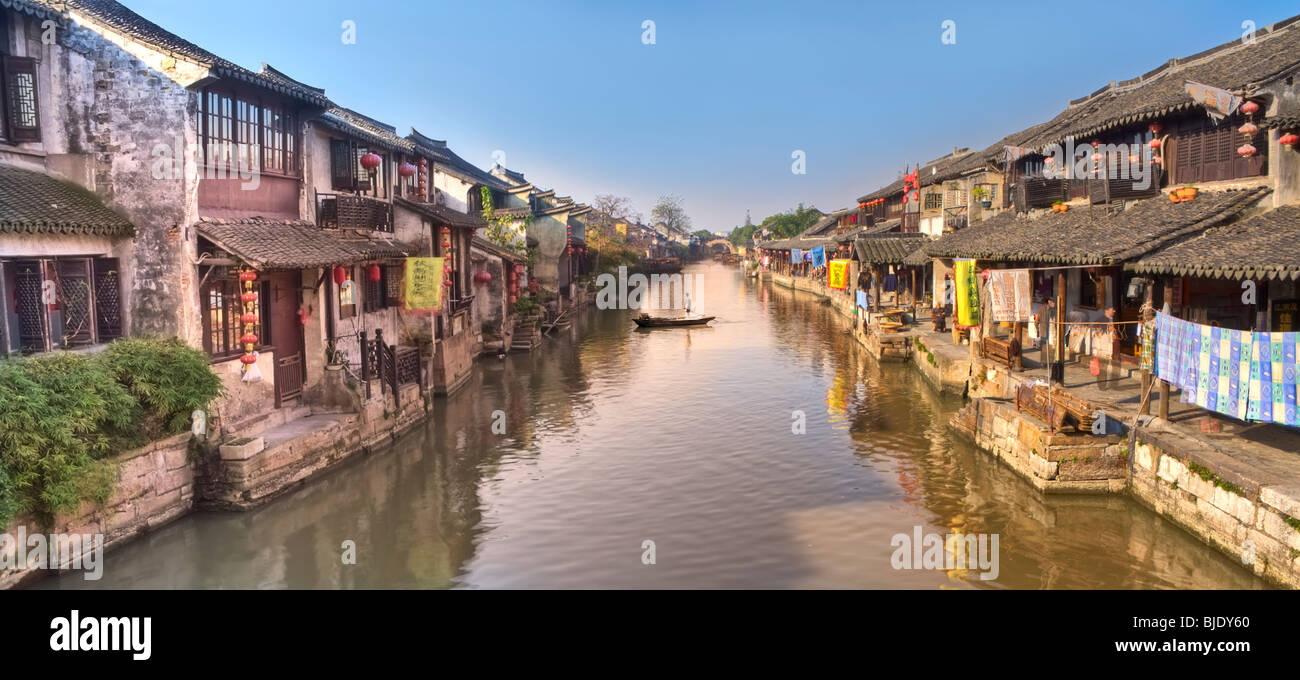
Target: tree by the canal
670, 212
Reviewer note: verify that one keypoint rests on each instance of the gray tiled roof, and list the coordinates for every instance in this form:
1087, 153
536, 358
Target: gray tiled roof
439, 151
1266, 246
888, 248
117, 17
1093, 234
34, 8
1233, 66
36, 203
442, 214
371, 131
278, 244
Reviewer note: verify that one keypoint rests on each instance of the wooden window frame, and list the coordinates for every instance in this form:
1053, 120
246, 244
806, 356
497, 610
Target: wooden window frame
374, 294
248, 126
15, 74
228, 284
100, 326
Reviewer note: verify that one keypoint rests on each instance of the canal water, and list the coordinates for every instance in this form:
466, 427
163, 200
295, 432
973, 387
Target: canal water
620, 443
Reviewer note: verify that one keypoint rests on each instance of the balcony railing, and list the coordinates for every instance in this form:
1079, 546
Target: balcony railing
349, 211
394, 366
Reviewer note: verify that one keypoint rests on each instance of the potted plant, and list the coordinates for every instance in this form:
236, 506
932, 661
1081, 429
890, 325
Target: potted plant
981, 194
335, 358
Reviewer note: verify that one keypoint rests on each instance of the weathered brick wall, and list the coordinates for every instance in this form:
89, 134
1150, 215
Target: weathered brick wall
115, 109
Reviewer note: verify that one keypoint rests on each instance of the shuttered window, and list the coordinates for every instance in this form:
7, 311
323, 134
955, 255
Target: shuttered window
1205, 152
343, 175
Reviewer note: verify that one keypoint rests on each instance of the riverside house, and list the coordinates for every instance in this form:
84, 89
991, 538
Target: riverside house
87, 245
1177, 190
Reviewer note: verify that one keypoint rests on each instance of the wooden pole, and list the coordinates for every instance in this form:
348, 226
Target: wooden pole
1147, 304
1059, 359
1168, 296
875, 286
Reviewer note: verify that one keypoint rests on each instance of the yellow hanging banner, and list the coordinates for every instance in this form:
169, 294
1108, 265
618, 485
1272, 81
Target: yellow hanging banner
968, 293
837, 274
424, 284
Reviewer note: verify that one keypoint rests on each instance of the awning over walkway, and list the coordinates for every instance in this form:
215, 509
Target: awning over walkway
1094, 235
294, 244
881, 249
1266, 247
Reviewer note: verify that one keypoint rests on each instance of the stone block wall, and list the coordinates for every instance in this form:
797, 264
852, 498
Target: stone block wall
1052, 462
155, 485
1239, 510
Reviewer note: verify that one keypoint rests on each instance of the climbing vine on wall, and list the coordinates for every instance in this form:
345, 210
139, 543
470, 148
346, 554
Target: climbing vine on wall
501, 230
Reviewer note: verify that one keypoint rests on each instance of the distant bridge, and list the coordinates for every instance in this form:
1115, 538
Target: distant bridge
718, 245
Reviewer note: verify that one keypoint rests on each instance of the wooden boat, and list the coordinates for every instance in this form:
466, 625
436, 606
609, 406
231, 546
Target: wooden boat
647, 321
662, 265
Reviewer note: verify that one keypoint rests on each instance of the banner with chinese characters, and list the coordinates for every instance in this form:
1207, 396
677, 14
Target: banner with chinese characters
819, 256
968, 293
1217, 102
837, 274
424, 284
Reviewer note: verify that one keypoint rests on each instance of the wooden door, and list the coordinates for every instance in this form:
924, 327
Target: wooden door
286, 335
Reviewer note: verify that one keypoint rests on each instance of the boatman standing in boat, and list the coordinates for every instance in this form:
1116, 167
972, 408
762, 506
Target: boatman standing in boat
686, 297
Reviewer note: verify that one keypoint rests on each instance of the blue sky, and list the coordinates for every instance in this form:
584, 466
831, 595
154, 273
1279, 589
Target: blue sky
714, 109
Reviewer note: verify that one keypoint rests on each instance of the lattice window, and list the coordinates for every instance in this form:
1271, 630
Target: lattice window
22, 118
63, 302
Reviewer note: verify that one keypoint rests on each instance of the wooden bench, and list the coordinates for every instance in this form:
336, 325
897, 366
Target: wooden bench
1001, 351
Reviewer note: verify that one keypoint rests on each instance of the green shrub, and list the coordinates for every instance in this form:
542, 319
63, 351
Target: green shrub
167, 377
525, 305
61, 414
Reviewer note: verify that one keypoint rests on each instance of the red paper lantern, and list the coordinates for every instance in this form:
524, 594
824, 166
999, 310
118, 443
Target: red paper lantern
248, 339
248, 359
248, 318
483, 277
1246, 150
1249, 107
406, 170
248, 275
1288, 139
1155, 128
340, 275
1249, 129
371, 161
375, 274
1095, 144
249, 297
1155, 143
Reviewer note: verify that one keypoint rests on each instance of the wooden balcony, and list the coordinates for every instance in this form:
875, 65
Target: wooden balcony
349, 211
